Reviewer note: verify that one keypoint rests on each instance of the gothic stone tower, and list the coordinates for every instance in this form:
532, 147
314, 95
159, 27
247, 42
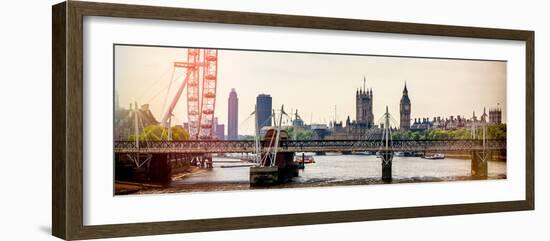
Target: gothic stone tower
405, 110
363, 103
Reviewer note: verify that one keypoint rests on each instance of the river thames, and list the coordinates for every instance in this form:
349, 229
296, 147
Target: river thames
332, 170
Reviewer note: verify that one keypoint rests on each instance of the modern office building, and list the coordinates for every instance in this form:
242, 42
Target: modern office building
264, 110
219, 129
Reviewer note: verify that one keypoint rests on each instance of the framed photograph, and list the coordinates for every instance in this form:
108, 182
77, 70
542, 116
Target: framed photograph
171, 120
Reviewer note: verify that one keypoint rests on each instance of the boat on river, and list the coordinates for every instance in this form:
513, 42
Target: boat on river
307, 159
434, 156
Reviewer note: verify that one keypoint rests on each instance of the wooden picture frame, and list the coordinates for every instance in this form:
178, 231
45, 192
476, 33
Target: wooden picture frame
67, 123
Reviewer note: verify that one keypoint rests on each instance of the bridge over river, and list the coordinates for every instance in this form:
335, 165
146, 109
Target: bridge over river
221, 146
158, 152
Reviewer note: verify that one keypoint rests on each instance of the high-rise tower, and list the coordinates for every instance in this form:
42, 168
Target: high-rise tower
233, 116
405, 110
495, 115
363, 103
264, 109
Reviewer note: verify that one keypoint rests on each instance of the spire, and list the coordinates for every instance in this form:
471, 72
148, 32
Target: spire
364, 82
405, 91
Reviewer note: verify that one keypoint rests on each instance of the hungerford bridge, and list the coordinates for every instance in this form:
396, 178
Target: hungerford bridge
480, 150
221, 146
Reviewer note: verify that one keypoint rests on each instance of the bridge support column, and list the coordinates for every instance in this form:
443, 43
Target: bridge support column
160, 170
387, 157
479, 164
264, 176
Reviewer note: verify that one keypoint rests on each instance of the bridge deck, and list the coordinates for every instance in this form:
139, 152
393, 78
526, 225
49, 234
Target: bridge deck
220, 146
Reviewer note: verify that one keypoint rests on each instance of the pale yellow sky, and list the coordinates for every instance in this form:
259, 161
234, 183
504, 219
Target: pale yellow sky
316, 83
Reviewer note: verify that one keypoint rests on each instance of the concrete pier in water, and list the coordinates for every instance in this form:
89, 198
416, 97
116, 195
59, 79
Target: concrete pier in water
479, 164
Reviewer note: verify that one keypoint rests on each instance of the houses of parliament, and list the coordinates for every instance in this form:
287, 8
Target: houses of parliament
364, 123
364, 116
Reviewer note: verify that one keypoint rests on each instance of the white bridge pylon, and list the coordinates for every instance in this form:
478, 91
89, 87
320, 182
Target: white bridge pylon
387, 130
273, 145
386, 149
485, 154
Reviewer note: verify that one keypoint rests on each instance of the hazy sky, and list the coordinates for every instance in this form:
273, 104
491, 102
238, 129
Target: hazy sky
316, 83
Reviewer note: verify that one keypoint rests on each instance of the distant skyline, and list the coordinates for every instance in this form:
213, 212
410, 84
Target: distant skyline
321, 86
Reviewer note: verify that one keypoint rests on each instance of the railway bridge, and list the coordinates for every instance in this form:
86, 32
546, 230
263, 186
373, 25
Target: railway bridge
155, 152
221, 146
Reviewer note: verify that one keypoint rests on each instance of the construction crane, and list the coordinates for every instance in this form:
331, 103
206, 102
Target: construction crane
201, 75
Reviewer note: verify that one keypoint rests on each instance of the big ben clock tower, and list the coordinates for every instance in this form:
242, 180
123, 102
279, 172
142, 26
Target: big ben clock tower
405, 110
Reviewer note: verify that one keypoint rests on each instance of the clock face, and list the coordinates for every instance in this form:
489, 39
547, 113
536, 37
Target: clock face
406, 107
